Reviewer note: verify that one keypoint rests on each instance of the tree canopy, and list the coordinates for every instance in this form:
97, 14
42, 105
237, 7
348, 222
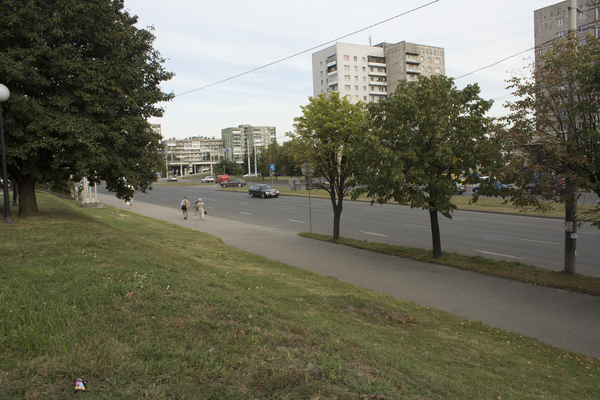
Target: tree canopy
84, 81
423, 138
323, 136
552, 129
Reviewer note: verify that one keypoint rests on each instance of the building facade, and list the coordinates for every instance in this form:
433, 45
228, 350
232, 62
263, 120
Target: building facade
240, 141
552, 23
192, 155
369, 73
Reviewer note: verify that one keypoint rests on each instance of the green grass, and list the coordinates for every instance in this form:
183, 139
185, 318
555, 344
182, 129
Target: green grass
513, 270
146, 309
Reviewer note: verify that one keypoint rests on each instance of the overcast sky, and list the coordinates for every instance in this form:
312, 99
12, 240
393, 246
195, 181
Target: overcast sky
205, 42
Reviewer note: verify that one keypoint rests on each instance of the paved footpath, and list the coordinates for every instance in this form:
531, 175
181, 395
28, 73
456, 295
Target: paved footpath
564, 319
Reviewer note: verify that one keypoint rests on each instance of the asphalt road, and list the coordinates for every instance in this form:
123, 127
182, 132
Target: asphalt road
536, 241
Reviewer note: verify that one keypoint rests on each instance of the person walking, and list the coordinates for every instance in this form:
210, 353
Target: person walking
200, 210
185, 206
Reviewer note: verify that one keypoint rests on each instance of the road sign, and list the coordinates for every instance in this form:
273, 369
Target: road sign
272, 167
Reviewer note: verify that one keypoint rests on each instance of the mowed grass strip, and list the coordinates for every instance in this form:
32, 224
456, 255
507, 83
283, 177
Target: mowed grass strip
141, 308
513, 270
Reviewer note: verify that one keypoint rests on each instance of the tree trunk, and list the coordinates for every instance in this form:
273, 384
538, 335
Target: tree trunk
337, 216
435, 234
27, 199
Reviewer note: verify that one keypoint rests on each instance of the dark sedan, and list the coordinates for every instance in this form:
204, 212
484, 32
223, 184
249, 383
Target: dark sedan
233, 182
320, 183
263, 191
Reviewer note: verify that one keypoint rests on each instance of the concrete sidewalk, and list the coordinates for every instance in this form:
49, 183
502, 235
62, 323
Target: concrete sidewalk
564, 319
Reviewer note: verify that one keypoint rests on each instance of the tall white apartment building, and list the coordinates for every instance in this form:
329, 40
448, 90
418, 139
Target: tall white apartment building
241, 141
192, 155
552, 23
369, 73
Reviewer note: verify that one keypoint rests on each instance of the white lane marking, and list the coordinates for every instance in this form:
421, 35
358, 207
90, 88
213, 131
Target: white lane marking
293, 220
372, 210
241, 212
497, 254
417, 226
539, 241
375, 234
581, 233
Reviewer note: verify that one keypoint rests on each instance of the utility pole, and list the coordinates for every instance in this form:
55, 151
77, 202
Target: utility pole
571, 201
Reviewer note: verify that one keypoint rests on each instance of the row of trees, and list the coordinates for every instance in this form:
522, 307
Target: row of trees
414, 146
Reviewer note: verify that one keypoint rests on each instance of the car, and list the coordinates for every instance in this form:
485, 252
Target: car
543, 183
262, 190
172, 178
207, 179
499, 185
233, 182
460, 188
320, 183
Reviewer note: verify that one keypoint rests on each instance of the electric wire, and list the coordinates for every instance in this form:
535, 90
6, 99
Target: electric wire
306, 51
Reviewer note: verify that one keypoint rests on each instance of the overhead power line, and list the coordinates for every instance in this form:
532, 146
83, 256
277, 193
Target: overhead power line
306, 51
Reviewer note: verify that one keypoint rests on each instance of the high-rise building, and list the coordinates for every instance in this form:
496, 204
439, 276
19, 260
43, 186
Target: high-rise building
242, 140
192, 155
552, 23
369, 73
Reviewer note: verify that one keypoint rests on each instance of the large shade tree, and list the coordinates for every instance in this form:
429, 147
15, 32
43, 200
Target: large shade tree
84, 80
423, 138
323, 137
553, 132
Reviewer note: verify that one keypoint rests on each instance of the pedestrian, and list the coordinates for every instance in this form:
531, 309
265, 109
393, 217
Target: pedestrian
131, 203
185, 206
200, 210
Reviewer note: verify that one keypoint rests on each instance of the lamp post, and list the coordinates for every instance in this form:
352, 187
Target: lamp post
4, 95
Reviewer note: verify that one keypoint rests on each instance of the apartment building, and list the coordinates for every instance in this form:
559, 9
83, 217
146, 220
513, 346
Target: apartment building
192, 155
369, 73
241, 140
552, 23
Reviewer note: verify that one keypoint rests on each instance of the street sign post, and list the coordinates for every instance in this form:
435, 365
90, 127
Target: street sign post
308, 169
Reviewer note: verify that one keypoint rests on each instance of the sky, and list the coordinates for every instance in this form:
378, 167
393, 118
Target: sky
206, 42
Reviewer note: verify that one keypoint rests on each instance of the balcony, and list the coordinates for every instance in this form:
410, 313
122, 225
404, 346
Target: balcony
413, 72
413, 62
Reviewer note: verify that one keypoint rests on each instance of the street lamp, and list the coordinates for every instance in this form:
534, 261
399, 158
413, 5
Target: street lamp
4, 95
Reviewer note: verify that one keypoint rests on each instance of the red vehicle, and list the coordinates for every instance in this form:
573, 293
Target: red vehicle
221, 179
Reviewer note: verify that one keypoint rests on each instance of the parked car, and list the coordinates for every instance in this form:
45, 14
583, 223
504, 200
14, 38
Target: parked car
499, 185
207, 179
262, 190
233, 182
221, 178
460, 188
172, 178
546, 183
321, 183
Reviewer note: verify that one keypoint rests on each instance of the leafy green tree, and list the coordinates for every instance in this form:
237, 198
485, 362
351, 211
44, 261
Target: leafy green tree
423, 138
323, 136
228, 167
83, 81
287, 160
553, 129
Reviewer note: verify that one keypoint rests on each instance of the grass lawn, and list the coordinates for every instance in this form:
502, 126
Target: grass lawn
141, 308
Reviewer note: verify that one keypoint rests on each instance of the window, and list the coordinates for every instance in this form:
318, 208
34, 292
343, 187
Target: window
429, 68
364, 69
355, 78
581, 14
347, 87
583, 28
365, 98
364, 78
364, 88
356, 87
347, 58
560, 21
437, 60
346, 77
560, 34
582, 42
355, 58
364, 59
346, 68
321, 83
356, 98
437, 70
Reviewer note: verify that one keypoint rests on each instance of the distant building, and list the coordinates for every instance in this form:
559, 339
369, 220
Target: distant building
369, 73
240, 141
552, 23
192, 155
